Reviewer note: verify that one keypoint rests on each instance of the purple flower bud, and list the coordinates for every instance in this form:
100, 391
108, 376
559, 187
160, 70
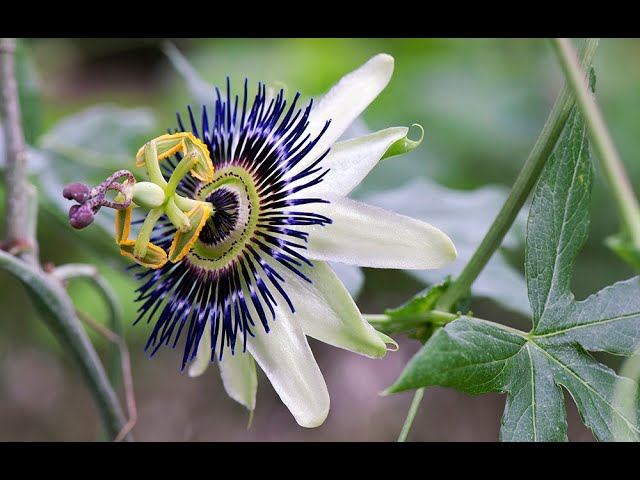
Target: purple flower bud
76, 191
80, 216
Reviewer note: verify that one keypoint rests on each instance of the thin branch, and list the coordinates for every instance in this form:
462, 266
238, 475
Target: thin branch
115, 335
91, 273
16, 153
125, 365
57, 311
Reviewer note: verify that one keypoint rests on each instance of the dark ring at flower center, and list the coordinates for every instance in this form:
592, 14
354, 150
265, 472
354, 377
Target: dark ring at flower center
225, 216
233, 221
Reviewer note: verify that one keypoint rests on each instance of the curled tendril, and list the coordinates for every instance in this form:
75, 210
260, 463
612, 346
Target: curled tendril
90, 200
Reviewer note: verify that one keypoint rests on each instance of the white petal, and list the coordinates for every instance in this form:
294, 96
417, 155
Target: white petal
369, 236
203, 357
327, 312
350, 161
358, 128
287, 360
239, 377
347, 99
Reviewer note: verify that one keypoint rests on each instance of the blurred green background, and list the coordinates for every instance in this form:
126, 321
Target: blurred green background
482, 104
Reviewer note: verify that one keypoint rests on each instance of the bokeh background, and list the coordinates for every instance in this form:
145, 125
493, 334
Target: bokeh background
482, 104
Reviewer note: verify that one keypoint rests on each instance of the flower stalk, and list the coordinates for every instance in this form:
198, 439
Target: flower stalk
411, 415
392, 325
116, 320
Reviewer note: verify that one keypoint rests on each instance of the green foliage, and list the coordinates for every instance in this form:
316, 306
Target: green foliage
87, 147
477, 356
624, 248
480, 103
29, 93
412, 317
419, 303
102, 136
466, 217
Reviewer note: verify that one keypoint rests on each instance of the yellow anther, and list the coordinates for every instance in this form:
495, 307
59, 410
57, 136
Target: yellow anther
154, 257
183, 241
166, 145
203, 169
169, 144
123, 224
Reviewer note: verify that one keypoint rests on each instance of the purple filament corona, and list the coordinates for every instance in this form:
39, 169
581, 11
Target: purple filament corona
267, 140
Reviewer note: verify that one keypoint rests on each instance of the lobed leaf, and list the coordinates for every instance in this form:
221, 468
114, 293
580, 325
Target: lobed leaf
477, 357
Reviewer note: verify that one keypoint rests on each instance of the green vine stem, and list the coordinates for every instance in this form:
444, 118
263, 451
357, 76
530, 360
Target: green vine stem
52, 301
612, 167
521, 189
388, 325
391, 325
411, 415
91, 273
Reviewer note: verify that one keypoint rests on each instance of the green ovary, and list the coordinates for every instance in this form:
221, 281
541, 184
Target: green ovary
218, 255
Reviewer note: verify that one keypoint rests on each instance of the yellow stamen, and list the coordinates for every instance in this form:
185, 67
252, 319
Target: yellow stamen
155, 257
166, 145
203, 170
168, 153
169, 144
123, 224
183, 241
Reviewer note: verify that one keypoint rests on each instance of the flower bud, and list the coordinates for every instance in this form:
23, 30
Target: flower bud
80, 216
76, 191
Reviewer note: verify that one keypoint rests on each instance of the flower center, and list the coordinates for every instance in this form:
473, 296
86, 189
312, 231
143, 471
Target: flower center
233, 221
226, 210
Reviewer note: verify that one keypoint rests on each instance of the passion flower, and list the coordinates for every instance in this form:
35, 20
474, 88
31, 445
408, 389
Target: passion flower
247, 204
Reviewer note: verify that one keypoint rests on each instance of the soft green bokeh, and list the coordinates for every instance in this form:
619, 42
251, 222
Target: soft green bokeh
481, 103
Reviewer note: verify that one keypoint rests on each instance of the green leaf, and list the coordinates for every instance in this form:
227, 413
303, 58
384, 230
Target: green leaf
87, 147
476, 356
412, 317
465, 216
419, 303
102, 136
558, 222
